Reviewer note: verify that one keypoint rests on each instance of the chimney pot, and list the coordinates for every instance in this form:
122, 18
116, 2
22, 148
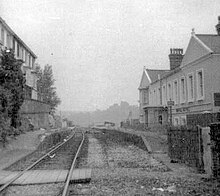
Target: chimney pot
175, 56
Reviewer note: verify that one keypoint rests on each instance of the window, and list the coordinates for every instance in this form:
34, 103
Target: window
190, 85
160, 119
18, 50
30, 60
145, 96
24, 56
200, 84
216, 99
182, 90
164, 94
13, 44
22, 53
158, 96
169, 92
33, 66
176, 121
8, 41
154, 97
3, 36
183, 120
175, 91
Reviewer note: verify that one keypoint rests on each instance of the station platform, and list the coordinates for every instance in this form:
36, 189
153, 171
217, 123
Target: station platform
45, 176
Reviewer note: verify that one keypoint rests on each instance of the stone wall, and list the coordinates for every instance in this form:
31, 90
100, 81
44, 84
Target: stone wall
36, 112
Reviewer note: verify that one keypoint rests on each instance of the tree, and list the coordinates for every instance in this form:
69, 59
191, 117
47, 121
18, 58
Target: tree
12, 83
5, 97
46, 88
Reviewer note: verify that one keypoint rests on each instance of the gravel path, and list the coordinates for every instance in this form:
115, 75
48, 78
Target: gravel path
133, 157
35, 190
95, 155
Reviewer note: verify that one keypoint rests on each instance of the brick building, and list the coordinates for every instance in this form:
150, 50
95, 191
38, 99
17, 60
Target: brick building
33, 110
191, 86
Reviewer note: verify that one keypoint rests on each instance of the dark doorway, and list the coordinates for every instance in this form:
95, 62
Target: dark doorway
160, 119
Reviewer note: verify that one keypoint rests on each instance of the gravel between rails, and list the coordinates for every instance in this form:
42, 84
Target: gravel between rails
83, 154
62, 159
53, 188
44, 147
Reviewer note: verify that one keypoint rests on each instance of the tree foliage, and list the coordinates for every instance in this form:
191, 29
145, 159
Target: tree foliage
46, 88
12, 83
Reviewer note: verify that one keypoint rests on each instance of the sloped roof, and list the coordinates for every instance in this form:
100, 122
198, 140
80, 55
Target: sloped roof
198, 47
16, 36
154, 73
145, 80
211, 41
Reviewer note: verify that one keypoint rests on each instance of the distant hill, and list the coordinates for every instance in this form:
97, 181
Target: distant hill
115, 113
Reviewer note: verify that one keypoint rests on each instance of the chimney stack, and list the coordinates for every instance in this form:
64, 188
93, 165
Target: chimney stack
175, 56
218, 26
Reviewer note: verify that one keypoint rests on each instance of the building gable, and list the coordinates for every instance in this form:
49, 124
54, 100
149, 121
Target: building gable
145, 80
196, 49
212, 41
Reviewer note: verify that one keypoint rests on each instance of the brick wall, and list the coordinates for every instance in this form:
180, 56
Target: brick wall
185, 146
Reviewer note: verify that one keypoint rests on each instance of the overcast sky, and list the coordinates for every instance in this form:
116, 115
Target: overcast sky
98, 48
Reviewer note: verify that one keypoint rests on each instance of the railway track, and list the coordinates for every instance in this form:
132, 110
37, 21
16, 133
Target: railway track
63, 155
65, 190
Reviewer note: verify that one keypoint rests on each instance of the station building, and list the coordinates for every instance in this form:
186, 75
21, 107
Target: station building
10, 40
190, 86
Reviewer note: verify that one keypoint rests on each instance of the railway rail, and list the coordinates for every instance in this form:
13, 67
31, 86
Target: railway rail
65, 190
54, 151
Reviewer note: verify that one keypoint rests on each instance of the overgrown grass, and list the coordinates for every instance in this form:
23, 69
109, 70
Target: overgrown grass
123, 138
48, 142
